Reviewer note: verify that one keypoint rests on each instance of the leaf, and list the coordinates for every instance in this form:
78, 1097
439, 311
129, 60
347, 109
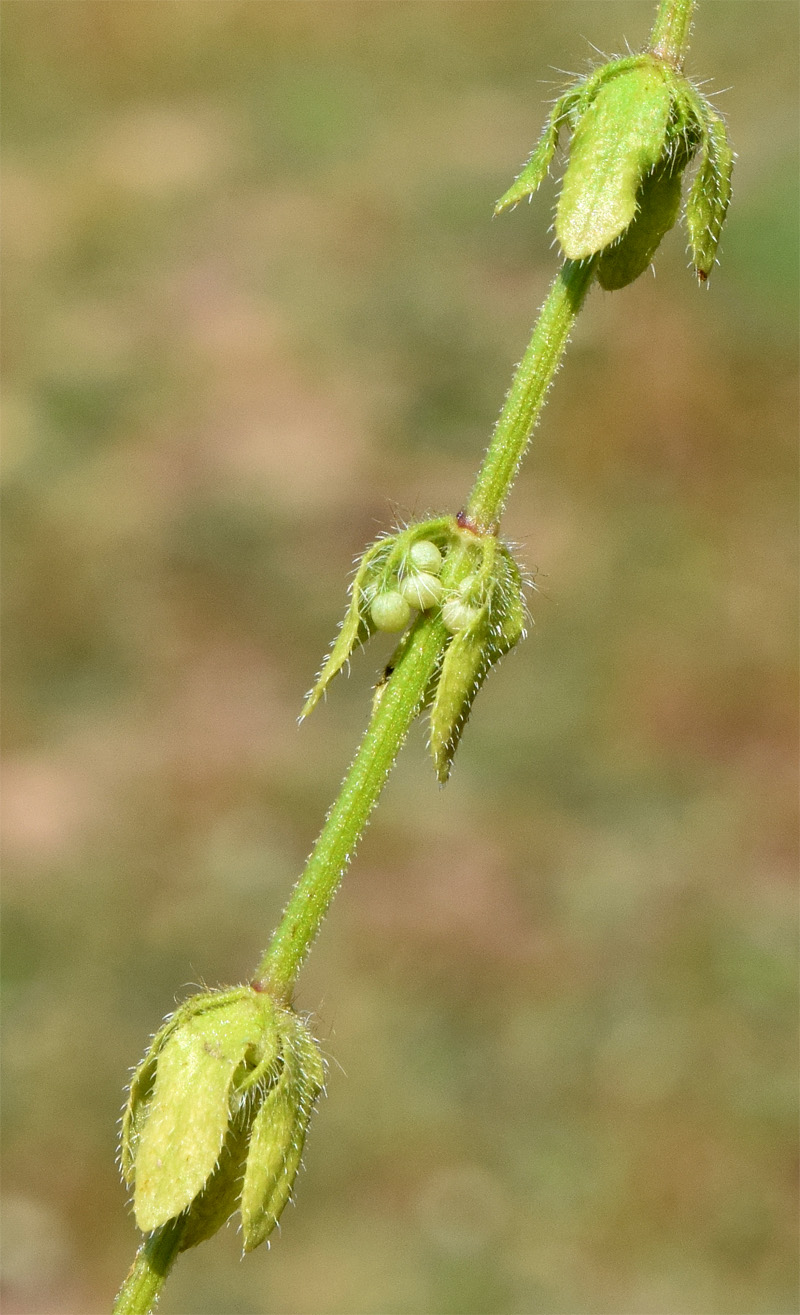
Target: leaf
356, 627
710, 194
134, 1116
658, 202
470, 656
188, 1113
618, 140
464, 669
141, 1090
278, 1135
537, 167
508, 605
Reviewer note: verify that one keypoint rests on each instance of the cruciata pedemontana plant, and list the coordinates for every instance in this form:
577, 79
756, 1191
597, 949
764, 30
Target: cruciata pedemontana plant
218, 1109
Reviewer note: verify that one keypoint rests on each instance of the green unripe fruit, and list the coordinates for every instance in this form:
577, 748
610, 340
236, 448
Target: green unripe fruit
376, 600
457, 614
425, 556
422, 590
390, 612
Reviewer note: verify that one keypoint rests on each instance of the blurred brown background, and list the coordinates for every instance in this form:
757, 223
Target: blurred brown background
256, 309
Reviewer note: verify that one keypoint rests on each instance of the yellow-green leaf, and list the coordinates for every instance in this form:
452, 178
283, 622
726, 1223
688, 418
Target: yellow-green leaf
619, 139
464, 668
710, 194
537, 167
188, 1113
356, 627
658, 202
278, 1134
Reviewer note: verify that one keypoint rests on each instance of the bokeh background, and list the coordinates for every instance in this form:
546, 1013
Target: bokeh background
256, 310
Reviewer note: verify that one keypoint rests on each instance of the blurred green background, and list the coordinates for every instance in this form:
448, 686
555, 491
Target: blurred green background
255, 310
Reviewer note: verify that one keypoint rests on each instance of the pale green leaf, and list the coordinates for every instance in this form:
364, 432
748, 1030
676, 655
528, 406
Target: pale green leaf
187, 1115
537, 167
356, 627
710, 194
464, 667
658, 202
619, 139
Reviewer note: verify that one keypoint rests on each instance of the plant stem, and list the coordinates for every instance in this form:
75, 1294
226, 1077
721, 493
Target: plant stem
669, 39
527, 393
405, 690
148, 1273
396, 709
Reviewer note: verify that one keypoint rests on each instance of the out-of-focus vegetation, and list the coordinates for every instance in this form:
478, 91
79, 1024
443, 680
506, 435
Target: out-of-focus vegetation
256, 309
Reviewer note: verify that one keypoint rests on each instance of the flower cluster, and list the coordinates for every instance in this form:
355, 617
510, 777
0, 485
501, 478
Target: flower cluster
465, 581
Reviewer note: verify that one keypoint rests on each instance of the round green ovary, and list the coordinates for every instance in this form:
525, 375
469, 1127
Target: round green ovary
425, 556
422, 590
457, 615
390, 611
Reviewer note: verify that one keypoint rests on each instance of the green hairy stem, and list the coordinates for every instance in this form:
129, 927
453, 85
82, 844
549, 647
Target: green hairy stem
348, 817
526, 396
148, 1273
405, 690
669, 39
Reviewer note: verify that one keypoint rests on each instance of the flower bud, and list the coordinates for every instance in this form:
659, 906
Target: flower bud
217, 1115
390, 612
421, 589
425, 556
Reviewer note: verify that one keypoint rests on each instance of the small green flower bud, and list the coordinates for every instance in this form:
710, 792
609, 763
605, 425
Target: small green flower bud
425, 556
390, 611
422, 590
217, 1115
457, 614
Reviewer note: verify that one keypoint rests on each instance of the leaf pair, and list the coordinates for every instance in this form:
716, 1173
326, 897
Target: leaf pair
479, 598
